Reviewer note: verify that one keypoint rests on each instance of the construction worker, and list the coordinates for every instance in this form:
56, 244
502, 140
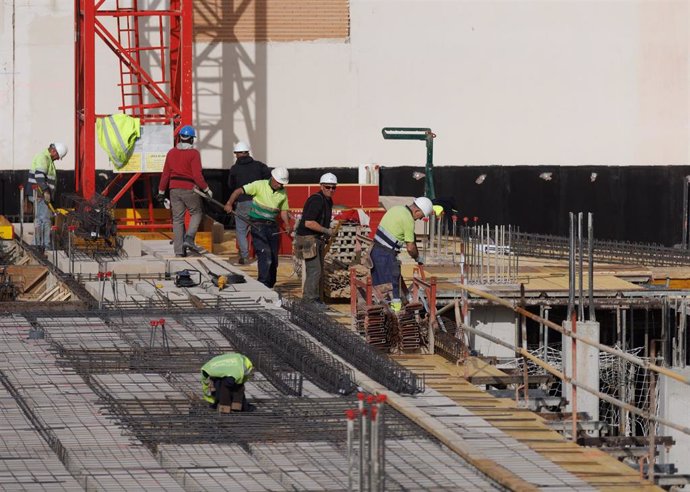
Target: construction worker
312, 234
244, 171
396, 230
42, 181
222, 381
268, 201
181, 173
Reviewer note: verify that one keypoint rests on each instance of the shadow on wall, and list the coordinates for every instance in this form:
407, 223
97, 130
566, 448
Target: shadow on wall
230, 78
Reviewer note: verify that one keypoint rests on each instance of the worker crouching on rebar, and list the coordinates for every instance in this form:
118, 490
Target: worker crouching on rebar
396, 230
222, 382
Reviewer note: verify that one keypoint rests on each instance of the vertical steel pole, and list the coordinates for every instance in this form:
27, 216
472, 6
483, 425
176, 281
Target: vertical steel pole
590, 251
581, 296
362, 438
684, 239
652, 411
350, 415
571, 267
21, 213
573, 371
374, 449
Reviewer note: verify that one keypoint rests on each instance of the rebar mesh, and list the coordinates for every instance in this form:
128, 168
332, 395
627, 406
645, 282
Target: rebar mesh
273, 420
292, 347
618, 378
352, 348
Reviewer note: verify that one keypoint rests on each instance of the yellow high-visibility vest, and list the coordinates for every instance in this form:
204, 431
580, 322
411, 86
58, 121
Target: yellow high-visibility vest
117, 134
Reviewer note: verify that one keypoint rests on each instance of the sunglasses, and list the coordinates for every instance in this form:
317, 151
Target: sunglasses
329, 187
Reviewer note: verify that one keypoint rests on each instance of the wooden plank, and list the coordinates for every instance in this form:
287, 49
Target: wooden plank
592, 465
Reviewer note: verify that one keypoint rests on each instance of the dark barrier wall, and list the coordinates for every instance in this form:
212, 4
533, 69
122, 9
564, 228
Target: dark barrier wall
629, 203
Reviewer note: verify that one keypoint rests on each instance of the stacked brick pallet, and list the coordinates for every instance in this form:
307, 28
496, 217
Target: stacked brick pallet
346, 251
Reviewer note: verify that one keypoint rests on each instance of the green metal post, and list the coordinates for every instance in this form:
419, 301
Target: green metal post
390, 133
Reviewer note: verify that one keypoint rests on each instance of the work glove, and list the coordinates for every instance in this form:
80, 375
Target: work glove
160, 197
329, 232
46, 196
208, 192
420, 260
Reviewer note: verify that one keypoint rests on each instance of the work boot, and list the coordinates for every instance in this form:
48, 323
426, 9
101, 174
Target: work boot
189, 243
224, 409
242, 260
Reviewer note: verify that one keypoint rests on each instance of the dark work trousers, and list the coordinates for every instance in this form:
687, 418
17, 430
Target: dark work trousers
227, 392
266, 243
313, 273
386, 269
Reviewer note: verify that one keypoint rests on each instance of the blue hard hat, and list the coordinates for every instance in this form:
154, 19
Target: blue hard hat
187, 131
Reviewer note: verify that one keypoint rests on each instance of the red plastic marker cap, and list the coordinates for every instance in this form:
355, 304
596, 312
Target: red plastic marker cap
455, 218
72, 228
161, 321
373, 413
364, 412
53, 228
370, 399
351, 414
475, 218
21, 187
381, 398
360, 396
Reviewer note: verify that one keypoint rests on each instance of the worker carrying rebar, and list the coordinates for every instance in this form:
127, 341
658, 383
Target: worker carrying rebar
222, 382
269, 200
396, 230
43, 183
311, 236
245, 170
181, 172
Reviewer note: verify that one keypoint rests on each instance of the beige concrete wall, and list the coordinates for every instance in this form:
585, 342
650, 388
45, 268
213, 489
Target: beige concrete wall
500, 82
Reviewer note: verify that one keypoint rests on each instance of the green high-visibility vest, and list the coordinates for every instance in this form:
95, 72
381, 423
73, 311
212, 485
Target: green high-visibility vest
231, 364
117, 134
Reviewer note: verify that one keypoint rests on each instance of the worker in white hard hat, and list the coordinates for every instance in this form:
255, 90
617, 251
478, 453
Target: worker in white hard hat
245, 170
396, 230
42, 186
311, 236
269, 200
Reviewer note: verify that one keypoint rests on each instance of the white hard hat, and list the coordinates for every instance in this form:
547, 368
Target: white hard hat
241, 147
424, 205
60, 148
328, 178
281, 175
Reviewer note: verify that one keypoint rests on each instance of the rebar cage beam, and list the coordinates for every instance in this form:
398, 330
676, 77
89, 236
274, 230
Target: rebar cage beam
352, 348
292, 347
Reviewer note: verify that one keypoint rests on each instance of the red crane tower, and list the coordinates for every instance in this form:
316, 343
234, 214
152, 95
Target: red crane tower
154, 50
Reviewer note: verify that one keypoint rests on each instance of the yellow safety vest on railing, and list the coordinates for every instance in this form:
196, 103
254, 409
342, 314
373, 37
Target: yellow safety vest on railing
117, 134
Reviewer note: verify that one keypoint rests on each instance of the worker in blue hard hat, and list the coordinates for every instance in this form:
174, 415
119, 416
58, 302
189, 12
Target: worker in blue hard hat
395, 231
181, 173
42, 185
222, 381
